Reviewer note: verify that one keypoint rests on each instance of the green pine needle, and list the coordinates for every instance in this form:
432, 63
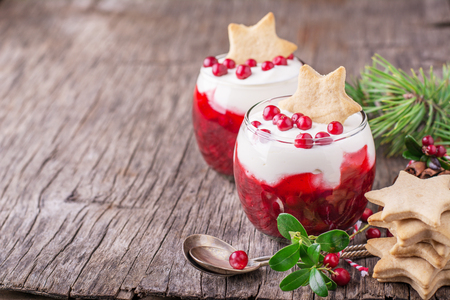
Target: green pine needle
399, 104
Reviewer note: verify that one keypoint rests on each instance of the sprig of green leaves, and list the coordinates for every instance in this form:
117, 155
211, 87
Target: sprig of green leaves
414, 152
304, 252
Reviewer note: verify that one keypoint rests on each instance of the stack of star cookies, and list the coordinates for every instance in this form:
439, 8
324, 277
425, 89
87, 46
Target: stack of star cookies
417, 212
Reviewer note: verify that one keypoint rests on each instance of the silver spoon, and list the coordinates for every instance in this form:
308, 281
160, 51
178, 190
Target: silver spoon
211, 255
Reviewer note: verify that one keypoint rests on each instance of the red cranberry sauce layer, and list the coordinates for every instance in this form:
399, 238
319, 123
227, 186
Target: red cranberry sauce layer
317, 206
216, 131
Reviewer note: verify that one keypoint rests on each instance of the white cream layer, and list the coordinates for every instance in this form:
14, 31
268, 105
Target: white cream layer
238, 95
274, 160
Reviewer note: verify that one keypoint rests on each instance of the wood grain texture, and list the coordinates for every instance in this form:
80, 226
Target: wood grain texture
100, 175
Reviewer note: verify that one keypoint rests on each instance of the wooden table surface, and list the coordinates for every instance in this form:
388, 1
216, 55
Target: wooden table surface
100, 175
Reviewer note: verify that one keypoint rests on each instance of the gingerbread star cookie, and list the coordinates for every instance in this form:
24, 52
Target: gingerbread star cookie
418, 269
423, 250
259, 41
322, 98
411, 231
412, 197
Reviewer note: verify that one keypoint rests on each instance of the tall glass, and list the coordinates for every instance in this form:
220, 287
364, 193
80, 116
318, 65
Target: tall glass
323, 187
220, 104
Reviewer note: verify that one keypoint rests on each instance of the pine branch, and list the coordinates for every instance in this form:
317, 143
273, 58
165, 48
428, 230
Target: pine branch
399, 104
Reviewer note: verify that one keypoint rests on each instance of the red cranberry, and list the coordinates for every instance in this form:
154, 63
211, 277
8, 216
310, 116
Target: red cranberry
388, 233
264, 139
291, 56
303, 140
341, 276
335, 127
441, 151
284, 124
277, 117
431, 150
219, 70
304, 123
209, 61
280, 61
366, 214
331, 259
251, 62
229, 63
243, 71
270, 111
238, 260
323, 138
256, 123
427, 140
267, 65
295, 117
373, 233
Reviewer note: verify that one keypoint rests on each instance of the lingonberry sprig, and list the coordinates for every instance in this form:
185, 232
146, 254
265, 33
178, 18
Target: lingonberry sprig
433, 156
306, 252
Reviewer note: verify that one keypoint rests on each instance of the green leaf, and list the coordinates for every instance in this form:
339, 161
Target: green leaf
444, 163
317, 283
314, 253
285, 259
333, 241
424, 158
305, 257
408, 155
331, 285
304, 266
295, 280
287, 222
413, 146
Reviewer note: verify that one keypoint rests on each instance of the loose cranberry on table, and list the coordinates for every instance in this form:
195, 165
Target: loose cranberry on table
229, 63
295, 117
366, 214
441, 151
373, 233
284, 124
238, 260
251, 62
335, 128
267, 65
280, 61
277, 117
256, 123
243, 71
331, 259
303, 140
341, 276
270, 111
291, 56
304, 123
209, 61
219, 70
323, 138
427, 140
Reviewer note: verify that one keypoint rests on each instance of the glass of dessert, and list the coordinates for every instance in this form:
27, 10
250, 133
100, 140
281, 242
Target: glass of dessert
311, 155
259, 65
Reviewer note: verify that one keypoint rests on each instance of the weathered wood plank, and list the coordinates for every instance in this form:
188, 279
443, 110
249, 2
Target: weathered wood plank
100, 175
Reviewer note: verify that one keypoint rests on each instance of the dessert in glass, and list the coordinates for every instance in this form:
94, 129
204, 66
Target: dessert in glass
285, 161
259, 65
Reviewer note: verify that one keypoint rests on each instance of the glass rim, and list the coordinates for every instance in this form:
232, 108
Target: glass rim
216, 79
282, 139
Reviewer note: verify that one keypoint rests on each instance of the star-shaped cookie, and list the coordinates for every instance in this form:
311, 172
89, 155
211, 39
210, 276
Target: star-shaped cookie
412, 231
322, 98
412, 197
420, 274
259, 41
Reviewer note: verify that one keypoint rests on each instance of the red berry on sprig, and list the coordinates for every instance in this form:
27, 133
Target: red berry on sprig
430, 150
238, 260
427, 140
441, 151
341, 276
331, 260
366, 214
373, 233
